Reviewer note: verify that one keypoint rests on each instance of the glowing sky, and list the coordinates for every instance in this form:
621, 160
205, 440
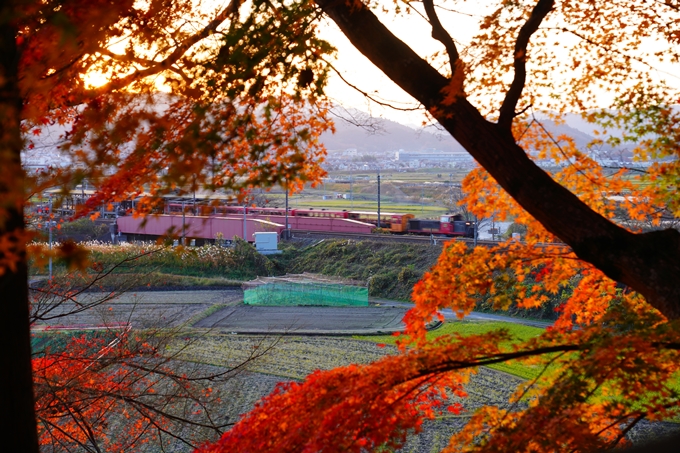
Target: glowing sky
414, 31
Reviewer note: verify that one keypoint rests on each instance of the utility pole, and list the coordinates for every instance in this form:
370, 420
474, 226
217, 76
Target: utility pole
451, 190
286, 232
49, 222
245, 225
475, 235
183, 223
379, 219
351, 194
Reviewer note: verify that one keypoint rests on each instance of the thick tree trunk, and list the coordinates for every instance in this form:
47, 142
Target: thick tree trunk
17, 412
649, 263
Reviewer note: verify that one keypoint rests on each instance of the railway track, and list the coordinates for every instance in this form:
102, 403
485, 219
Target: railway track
435, 240
432, 240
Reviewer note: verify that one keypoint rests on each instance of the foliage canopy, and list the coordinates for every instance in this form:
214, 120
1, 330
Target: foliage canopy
242, 83
611, 356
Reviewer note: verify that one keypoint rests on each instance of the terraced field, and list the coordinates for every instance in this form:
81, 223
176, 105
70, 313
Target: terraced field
292, 358
277, 358
143, 309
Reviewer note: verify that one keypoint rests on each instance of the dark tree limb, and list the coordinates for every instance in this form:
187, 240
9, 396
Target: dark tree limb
649, 263
507, 112
440, 34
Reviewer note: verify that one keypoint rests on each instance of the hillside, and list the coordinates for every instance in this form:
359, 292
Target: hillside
390, 136
386, 135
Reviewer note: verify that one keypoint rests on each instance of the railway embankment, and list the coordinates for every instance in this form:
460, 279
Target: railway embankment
390, 269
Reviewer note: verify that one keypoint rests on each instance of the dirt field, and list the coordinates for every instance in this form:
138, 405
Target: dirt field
146, 308
222, 309
216, 345
294, 357
306, 320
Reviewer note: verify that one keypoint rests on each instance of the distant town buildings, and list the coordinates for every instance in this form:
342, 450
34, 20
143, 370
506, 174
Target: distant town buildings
42, 159
351, 159
422, 159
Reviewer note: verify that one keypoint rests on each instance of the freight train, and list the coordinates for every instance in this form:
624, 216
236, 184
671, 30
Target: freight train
340, 220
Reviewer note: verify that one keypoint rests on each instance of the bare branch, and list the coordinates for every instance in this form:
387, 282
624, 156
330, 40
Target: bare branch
452, 365
40, 310
229, 11
370, 97
507, 111
366, 121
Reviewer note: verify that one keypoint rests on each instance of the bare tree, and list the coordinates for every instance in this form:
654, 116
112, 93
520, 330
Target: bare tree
115, 386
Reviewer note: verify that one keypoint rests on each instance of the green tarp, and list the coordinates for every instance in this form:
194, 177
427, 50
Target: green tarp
294, 293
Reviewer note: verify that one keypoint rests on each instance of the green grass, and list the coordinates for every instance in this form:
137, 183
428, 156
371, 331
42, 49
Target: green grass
520, 332
241, 262
421, 175
364, 205
161, 280
307, 201
390, 270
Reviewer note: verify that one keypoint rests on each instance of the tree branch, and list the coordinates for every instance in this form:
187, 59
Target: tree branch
230, 10
41, 309
440, 34
649, 263
452, 365
368, 96
507, 112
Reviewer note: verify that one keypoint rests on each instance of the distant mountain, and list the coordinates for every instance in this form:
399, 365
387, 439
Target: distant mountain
581, 139
391, 136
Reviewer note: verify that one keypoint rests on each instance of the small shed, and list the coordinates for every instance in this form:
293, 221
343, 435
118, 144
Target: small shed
267, 243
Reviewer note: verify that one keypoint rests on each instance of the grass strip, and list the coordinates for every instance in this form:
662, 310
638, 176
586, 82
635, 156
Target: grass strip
519, 332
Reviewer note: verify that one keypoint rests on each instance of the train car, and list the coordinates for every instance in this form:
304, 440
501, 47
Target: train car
328, 213
202, 209
424, 226
311, 223
201, 228
455, 225
394, 221
399, 222
447, 225
269, 211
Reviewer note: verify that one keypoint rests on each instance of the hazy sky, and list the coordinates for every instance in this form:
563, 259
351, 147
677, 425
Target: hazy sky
356, 68
416, 32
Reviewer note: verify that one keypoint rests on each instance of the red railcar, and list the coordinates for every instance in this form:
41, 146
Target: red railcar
398, 223
201, 228
328, 213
